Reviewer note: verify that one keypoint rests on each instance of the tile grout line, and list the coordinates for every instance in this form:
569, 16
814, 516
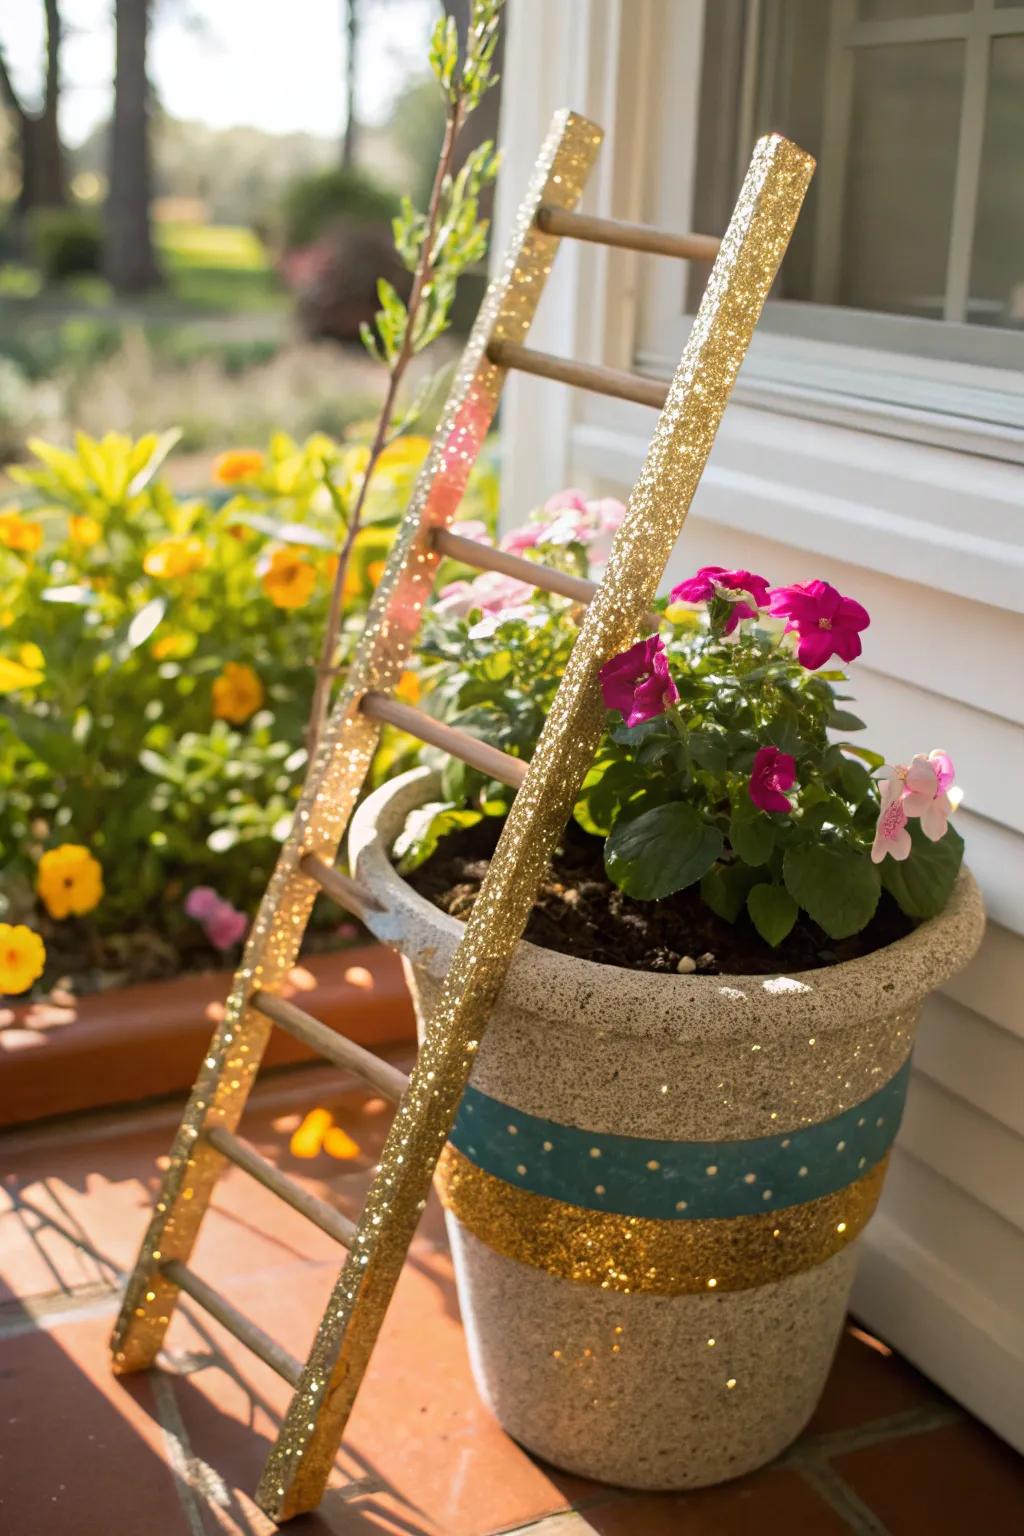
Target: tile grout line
895, 1426
834, 1491
181, 1459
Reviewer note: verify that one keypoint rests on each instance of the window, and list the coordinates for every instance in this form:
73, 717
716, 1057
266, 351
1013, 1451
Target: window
915, 110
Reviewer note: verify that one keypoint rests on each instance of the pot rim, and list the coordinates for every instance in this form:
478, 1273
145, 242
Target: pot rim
644, 1002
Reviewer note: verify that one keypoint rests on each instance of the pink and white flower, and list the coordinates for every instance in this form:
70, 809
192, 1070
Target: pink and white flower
929, 792
569, 518
891, 835
491, 592
473, 528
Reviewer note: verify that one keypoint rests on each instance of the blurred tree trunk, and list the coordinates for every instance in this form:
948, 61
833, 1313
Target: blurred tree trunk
128, 259
42, 155
350, 141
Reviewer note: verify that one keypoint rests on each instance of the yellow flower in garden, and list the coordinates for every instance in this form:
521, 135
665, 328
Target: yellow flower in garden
408, 689
682, 613
15, 674
237, 693
18, 533
405, 453
172, 646
69, 880
289, 580
175, 557
22, 957
84, 530
238, 464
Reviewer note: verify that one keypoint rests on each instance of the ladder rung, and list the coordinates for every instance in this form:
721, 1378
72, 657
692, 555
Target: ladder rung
486, 558
633, 237
234, 1321
498, 765
335, 1048
346, 892
602, 381
318, 1211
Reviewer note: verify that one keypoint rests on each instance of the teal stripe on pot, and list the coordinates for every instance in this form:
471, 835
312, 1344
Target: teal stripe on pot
682, 1180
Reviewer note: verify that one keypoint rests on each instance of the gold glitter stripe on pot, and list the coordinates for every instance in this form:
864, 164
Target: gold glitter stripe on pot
634, 1253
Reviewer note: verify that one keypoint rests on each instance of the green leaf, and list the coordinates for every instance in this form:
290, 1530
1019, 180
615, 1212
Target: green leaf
922, 883
842, 720
839, 888
661, 851
724, 889
855, 779
873, 759
773, 912
751, 833
424, 829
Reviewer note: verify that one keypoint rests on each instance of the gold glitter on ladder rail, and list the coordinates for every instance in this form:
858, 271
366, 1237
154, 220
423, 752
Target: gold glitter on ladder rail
742, 276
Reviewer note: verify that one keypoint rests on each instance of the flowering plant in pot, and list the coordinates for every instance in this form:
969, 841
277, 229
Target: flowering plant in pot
678, 1120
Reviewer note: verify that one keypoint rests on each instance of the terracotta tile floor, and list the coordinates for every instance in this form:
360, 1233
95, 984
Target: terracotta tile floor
181, 1449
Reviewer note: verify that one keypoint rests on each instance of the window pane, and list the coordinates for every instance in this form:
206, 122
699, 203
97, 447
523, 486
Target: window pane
901, 164
997, 267
893, 10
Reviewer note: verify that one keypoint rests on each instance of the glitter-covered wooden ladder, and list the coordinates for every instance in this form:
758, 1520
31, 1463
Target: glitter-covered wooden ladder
745, 266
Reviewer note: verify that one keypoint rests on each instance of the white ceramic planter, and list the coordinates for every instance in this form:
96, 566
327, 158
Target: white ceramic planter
655, 1183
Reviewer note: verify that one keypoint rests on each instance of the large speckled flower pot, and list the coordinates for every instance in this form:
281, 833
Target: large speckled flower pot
655, 1184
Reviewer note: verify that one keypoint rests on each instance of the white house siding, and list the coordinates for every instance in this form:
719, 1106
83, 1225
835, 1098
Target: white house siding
930, 538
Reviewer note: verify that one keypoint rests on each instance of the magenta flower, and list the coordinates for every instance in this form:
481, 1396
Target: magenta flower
826, 623
891, 835
201, 902
226, 927
222, 923
772, 774
638, 683
715, 581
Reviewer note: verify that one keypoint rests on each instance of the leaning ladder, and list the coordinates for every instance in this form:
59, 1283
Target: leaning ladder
746, 261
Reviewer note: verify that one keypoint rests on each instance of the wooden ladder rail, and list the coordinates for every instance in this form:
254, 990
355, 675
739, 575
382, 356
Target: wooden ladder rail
299, 1463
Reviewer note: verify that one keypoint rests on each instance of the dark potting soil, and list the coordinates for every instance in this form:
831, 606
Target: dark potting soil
580, 912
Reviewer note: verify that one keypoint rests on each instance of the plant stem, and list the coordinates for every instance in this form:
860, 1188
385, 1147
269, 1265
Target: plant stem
326, 670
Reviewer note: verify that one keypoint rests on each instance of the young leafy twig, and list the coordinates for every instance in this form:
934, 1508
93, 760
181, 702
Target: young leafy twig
436, 247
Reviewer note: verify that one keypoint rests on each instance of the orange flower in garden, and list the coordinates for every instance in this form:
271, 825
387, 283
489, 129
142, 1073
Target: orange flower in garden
69, 880
238, 464
18, 533
408, 689
173, 646
175, 557
237, 693
22, 957
84, 530
289, 579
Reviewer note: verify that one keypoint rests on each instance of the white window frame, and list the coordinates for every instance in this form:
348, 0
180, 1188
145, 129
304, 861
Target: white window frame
905, 459
951, 384
976, 27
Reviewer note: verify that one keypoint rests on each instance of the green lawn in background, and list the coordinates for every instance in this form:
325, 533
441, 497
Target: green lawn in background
216, 267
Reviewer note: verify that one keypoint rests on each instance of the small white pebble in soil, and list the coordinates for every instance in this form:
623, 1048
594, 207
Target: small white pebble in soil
686, 965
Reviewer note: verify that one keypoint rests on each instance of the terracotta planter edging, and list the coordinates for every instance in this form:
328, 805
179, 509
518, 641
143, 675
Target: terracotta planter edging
137, 1042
